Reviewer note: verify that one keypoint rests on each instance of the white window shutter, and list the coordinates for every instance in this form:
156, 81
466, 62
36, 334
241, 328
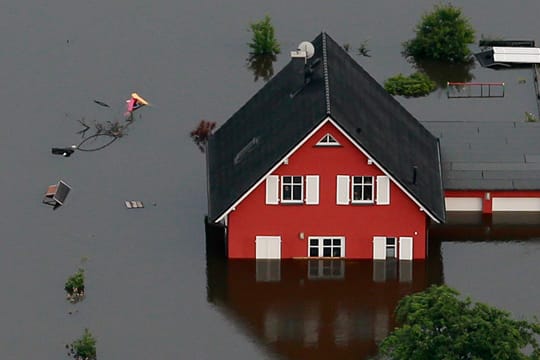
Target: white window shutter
272, 189
342, 190
383, 190
405, 248
379, 248
312, 189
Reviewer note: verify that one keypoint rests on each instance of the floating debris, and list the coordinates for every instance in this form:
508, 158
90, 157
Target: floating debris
202, 133
134, 204
56, 194
135, 103
101, 103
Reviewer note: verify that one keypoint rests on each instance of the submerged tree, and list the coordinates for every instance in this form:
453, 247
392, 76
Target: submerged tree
443, 34
437, 324
83, 348
74, 286
263, 41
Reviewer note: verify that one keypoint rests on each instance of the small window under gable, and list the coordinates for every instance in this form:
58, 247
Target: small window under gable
328, 140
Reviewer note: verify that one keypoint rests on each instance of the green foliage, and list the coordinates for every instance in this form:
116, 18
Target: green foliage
74, 286
443, 35
436, 324
417, 84
530, 117
263, 41
84, 347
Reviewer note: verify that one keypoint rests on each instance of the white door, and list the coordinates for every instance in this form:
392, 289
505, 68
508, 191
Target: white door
405, 248
268, 247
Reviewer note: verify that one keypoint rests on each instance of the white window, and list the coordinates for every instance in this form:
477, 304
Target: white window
362, 189
391, 248
292, 189
326, 247
328, 140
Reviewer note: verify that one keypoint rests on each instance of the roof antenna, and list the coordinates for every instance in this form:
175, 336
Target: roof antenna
305, 51
415, 170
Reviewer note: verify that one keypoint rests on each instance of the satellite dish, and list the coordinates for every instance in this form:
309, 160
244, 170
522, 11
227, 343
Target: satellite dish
308, 48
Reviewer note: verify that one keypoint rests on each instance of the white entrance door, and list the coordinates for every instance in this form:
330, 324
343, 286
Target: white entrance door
268, 247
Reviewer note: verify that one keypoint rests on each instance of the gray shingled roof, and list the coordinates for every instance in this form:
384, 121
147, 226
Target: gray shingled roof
272, 123
489, 155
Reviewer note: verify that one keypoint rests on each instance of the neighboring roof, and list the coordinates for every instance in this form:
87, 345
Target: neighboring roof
489, 155
506, 56
528, 55
260, 134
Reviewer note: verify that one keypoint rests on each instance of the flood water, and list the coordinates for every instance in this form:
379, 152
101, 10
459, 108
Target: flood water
151, 290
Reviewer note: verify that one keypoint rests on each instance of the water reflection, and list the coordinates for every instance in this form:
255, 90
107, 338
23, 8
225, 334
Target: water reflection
262, 66
311, 309
475, 226
442, 73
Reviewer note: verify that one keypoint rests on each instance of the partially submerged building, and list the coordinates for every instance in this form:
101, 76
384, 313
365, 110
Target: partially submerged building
323, 162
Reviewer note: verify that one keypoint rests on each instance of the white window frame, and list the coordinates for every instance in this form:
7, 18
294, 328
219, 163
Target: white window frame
389, 246
321, 246
293, 185
362, 186
328, 140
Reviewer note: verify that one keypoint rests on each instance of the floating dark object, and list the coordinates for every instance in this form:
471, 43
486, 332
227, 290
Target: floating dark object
66, 151
202, 133
101, 103
56, 194
134, 204
508, 43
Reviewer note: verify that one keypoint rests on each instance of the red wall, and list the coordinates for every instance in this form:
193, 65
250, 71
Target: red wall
358, 223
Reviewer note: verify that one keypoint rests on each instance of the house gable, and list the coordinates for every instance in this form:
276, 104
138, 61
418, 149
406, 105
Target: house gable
298, 222
336, 132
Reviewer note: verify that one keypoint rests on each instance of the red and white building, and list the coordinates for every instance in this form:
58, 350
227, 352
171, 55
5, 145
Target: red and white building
323, 163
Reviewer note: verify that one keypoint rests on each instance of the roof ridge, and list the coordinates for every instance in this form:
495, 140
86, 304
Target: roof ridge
325, 74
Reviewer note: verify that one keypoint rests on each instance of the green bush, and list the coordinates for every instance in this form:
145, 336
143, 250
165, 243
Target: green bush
438, 324
417, 84
443, 34
84, 347
74, 286
263, 41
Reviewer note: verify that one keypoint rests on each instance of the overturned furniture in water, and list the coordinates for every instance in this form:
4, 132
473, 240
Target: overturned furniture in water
56, 194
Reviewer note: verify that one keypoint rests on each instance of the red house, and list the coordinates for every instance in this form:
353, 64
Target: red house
323, 162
